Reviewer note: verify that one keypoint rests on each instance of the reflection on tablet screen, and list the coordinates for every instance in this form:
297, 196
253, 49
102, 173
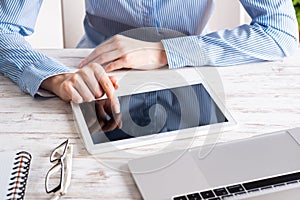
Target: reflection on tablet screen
151, 113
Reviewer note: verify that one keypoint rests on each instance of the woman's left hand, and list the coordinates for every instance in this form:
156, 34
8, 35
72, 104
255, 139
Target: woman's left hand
124, 52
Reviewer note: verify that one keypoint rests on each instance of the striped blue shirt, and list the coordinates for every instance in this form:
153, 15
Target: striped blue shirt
272, 34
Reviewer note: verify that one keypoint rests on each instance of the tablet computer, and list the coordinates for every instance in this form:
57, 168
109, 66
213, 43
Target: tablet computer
176, 108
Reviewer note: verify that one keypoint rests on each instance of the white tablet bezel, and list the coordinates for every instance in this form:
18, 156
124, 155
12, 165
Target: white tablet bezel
189, 78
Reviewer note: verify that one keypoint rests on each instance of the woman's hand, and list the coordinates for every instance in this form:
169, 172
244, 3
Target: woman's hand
85, 85
124, 52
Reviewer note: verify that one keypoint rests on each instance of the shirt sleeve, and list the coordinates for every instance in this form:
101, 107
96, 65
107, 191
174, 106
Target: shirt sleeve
18, 60
272, 35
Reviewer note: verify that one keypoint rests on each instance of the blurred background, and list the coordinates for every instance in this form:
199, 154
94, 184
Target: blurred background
60, 22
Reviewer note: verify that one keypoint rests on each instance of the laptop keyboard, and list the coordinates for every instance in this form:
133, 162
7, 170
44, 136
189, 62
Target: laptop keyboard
241, 189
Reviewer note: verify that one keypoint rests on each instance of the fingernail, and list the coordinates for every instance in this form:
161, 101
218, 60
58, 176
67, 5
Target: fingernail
77, 100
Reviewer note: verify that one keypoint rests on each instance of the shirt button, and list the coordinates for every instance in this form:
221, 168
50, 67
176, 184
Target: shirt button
27, 89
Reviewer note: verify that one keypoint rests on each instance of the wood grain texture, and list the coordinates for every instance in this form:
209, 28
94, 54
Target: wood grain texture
262, 98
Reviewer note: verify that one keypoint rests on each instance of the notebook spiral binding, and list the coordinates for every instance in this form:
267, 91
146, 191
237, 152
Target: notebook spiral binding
19, 175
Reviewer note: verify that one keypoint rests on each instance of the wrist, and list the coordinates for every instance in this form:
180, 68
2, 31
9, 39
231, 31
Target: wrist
162, 54
51, 83
163, 58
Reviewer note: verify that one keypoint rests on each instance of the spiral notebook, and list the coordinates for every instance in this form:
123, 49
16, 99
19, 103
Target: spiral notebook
14, 170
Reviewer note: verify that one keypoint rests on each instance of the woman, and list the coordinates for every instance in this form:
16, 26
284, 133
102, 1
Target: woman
273, 29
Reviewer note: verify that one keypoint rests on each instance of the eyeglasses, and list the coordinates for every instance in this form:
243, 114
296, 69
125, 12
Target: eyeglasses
58, 177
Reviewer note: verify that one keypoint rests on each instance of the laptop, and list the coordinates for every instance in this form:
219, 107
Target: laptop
265, 167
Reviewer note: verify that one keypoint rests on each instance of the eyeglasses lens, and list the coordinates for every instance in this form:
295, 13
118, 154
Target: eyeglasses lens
54, 178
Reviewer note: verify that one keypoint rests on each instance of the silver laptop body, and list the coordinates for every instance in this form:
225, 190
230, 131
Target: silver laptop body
265, 167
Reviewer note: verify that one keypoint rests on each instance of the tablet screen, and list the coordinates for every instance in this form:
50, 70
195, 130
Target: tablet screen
154, 112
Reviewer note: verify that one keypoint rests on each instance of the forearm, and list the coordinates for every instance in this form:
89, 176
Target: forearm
272, 35
22, 64
25, 66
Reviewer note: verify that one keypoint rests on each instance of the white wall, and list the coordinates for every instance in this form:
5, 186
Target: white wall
48, 30
228, 15
53, 32
73, 16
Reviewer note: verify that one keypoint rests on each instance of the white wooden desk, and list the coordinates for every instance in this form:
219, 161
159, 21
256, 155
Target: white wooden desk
261, 97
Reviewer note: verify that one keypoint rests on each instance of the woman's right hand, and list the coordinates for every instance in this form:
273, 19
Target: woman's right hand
85, 85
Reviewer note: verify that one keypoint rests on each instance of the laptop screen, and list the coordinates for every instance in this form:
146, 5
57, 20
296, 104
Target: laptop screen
153, 112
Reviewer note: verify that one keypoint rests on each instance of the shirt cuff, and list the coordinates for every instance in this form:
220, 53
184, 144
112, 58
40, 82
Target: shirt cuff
45, 93
185, 51
34, 74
